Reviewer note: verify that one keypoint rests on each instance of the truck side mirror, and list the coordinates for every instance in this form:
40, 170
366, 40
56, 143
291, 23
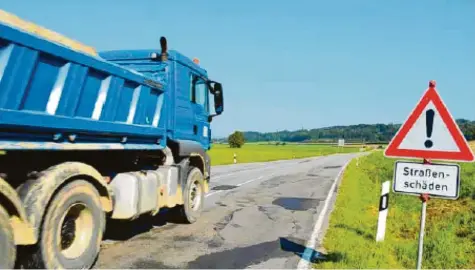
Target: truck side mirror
218, 98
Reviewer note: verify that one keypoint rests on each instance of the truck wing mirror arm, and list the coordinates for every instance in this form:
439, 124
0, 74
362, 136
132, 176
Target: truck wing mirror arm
210, 117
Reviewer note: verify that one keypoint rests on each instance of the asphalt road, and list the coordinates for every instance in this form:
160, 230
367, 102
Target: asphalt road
259, 215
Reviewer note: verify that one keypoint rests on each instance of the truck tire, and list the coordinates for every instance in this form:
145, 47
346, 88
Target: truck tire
72, 228
193, 197
7, 242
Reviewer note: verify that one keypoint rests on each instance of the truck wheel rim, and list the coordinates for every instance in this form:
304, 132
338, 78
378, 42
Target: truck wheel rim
195, 193
75, 231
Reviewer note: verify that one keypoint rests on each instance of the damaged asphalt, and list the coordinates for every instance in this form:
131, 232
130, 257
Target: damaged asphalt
258, 215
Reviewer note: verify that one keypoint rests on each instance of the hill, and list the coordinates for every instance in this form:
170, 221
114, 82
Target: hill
369, 133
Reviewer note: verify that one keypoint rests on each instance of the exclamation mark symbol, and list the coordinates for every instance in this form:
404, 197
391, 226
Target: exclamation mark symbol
429, 125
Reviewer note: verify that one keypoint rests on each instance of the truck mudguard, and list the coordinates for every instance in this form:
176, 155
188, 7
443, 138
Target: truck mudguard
22, 230
187, 148
36, 193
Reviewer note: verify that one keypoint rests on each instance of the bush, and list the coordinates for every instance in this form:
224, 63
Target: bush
236, 140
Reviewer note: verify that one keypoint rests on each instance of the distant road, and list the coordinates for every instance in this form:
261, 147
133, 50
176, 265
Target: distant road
258, 215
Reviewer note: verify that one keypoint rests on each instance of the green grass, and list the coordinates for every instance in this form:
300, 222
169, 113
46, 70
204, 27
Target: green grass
222, 154
449, 241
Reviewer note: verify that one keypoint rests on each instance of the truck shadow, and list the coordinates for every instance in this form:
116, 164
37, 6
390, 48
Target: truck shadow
243, 257
122, 230
297, 246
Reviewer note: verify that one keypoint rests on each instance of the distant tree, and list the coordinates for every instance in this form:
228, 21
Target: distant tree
236, 140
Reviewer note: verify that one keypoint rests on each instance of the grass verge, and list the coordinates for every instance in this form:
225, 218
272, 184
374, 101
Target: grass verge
222, 154
449, 241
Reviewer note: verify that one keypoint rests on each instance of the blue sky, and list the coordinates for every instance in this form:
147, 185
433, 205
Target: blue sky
283, 65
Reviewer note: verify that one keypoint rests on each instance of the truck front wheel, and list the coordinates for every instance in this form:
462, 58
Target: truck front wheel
72, 228
193, 196
7, 244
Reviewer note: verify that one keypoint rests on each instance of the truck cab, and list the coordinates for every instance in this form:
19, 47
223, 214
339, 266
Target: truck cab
189, 91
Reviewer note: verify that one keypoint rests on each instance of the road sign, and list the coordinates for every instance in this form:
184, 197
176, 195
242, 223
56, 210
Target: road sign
341, 142
436, 180
430, 132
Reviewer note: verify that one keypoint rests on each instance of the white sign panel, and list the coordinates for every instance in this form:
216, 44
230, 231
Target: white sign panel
437, 180
341, 142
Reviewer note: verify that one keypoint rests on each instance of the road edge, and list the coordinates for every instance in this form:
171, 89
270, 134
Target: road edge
304, 262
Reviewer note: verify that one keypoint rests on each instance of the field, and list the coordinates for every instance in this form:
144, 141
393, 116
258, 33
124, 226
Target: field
350, 240
222, 154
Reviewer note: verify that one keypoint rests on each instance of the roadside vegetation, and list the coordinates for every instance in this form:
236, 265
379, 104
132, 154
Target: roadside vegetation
236, 140
222, 154
449, 241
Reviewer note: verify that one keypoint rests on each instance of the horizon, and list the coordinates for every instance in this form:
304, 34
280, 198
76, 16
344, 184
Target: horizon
312, 64
308, 129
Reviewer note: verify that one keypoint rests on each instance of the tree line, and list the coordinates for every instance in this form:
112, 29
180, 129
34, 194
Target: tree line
368, 133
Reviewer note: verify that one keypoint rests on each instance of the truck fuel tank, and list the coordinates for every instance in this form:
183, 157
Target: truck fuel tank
136, 193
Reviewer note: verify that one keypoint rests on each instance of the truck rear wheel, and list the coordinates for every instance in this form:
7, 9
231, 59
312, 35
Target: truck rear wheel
193, 196
72, 229
7, 242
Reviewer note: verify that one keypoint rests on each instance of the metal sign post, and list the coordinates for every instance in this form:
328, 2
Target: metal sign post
425, 180
424, 198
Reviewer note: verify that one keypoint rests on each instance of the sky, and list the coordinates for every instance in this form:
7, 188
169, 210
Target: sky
290, 65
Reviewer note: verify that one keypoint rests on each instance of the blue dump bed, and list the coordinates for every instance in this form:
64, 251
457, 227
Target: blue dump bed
53, 97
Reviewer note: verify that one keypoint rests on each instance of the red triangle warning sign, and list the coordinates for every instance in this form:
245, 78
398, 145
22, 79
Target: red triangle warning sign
430, 132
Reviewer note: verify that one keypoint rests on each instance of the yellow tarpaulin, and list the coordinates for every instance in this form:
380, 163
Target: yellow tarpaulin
26, 26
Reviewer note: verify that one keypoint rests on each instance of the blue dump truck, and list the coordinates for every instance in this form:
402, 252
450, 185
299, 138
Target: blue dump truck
88, 137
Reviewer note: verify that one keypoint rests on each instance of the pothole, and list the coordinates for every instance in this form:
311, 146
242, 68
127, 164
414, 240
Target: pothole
223, 187
296, 204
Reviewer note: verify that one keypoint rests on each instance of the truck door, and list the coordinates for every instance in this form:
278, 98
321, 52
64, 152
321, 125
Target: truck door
200, 105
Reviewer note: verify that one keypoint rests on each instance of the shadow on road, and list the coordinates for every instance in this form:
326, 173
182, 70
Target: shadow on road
122, 230
243, 257
297, 247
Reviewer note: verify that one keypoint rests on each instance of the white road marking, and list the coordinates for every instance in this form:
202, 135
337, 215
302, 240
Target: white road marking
218, 177
311, 244
240, 184
266, 165
252, 180
212, 193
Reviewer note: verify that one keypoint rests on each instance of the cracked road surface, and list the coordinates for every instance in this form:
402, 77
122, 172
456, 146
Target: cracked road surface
258, 215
